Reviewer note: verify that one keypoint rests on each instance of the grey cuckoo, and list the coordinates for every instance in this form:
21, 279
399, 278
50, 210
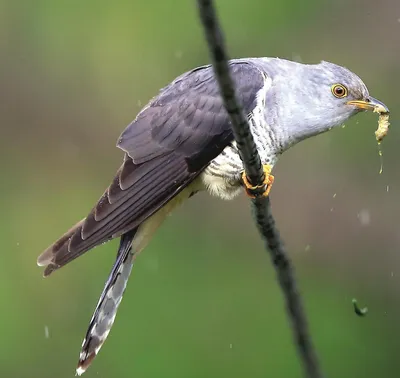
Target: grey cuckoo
181, 143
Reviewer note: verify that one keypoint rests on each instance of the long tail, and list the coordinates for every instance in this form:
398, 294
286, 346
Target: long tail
106, 310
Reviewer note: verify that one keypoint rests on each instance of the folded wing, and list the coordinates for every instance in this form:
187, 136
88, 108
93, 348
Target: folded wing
167, 146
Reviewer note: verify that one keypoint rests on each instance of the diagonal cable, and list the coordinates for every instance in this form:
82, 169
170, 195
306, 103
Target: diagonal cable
261, 205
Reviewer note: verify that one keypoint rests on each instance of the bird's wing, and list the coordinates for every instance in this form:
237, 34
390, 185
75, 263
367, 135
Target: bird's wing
167, 146
188, 116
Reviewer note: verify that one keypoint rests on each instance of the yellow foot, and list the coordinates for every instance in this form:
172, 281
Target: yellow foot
259, 190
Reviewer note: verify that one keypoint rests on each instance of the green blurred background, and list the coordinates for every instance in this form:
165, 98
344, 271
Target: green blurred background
203, 300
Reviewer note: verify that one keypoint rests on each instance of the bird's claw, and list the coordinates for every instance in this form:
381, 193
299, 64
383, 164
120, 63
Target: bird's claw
254, 191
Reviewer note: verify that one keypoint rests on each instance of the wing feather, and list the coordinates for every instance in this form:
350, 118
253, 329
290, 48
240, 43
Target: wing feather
191, 102
167, 146
163, 179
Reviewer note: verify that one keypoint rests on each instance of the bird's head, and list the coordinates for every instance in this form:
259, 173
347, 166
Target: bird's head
319, 97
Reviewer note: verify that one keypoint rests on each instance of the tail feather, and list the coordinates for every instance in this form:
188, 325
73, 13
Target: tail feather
106, 310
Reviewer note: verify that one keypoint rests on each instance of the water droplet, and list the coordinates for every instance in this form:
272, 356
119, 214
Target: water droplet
334, 195
46, 332
297, 58
365, 217
380, 158
178, 54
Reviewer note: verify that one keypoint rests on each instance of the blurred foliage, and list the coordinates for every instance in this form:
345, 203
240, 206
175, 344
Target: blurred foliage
202, 301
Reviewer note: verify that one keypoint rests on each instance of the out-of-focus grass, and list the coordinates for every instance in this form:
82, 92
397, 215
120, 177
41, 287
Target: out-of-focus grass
203, 300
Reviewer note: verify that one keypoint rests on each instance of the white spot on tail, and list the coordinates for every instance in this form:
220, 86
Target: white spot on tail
80, 371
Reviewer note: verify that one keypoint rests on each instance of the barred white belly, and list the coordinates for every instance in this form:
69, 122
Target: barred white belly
223, 175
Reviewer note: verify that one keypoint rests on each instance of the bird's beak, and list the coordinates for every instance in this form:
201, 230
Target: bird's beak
370, 104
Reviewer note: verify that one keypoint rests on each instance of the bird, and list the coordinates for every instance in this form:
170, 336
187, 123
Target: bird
181, 143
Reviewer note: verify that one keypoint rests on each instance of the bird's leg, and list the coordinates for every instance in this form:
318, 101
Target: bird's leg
262, 190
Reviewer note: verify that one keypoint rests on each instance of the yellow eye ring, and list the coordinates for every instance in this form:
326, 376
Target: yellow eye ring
339, 90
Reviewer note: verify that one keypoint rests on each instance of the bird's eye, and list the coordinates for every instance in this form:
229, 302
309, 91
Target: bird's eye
339, 90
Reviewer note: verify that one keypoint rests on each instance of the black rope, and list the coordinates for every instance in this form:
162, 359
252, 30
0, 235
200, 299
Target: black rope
261, 204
